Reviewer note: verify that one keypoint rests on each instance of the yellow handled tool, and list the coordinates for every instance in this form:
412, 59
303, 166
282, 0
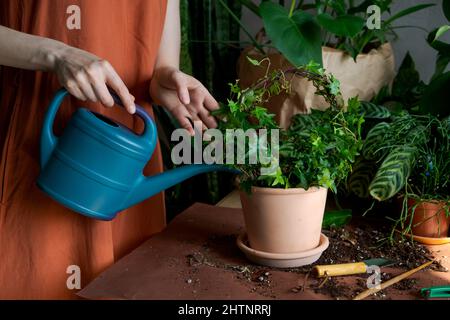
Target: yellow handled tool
345, 269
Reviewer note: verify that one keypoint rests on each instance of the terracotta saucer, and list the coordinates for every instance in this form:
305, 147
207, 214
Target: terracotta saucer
282, 260
431, 241
428, 240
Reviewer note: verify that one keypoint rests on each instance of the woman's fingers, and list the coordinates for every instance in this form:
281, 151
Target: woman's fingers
198, 107
182, 86
183, 116
103, 94
84, 83
86, 77
74, 90
209, 102
207, 119
116, 83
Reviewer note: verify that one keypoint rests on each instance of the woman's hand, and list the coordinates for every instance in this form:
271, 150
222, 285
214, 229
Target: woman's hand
184, 96
86, 77
83, 74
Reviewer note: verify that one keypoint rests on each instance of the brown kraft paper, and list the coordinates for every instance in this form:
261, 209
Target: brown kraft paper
363, 78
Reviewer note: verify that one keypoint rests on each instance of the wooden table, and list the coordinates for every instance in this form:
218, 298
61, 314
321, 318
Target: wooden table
195, 257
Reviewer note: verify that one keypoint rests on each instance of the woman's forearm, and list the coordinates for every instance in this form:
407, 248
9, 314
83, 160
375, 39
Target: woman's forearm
25, 51
83, 74
183, 95
169, 49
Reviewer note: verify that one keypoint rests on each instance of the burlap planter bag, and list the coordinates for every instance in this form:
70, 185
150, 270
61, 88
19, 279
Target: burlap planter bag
363, 78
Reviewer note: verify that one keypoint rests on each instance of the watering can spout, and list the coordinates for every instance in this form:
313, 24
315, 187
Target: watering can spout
150, 186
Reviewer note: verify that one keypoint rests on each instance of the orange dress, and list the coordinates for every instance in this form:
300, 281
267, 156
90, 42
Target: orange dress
40, 239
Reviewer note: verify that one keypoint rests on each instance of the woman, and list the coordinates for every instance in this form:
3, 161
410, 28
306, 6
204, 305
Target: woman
132, 46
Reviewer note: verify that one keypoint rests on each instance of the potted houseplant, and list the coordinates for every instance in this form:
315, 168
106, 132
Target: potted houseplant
409, 150
407, 155
332, 31
284, 205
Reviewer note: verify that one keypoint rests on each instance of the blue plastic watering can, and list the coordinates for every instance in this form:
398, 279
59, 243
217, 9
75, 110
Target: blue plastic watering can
96, 166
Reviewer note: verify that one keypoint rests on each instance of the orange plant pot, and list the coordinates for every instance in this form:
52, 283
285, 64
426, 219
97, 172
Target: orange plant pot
429, 219
284, 220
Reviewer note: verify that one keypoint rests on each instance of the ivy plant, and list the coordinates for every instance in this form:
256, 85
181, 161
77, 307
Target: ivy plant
317, 150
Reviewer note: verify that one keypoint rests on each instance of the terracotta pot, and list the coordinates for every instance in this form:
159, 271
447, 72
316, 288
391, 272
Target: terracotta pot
429, 219
284, 220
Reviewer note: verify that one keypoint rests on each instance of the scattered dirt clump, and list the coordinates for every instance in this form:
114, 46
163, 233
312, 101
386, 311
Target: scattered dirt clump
359, 241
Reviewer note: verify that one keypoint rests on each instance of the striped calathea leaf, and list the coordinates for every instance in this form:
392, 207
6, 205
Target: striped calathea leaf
393, 172
302, 122
374, 111
361, 177
375, 140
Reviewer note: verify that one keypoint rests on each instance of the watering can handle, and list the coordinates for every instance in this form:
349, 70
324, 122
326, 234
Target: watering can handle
150, 132
48, 139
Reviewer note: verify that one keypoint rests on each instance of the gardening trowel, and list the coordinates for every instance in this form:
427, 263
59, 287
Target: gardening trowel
345, 269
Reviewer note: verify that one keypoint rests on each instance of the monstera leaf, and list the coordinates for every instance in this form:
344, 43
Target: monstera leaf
393, 172
296, 36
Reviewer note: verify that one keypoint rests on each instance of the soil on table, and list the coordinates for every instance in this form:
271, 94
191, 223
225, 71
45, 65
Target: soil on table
359, 241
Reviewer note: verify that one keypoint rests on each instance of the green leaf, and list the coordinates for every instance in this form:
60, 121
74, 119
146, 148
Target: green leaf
393, 173
350, 49
382, 95
253, 61
442, 30
373, 111
436, 97
363, 173
442, 62
407, 77
442, 47
335, 86
336, 218
298, 37
338, 6
342, 26
406, 12
446, 8
375, 141
362, 7
314, 67
353, 105
303, 122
